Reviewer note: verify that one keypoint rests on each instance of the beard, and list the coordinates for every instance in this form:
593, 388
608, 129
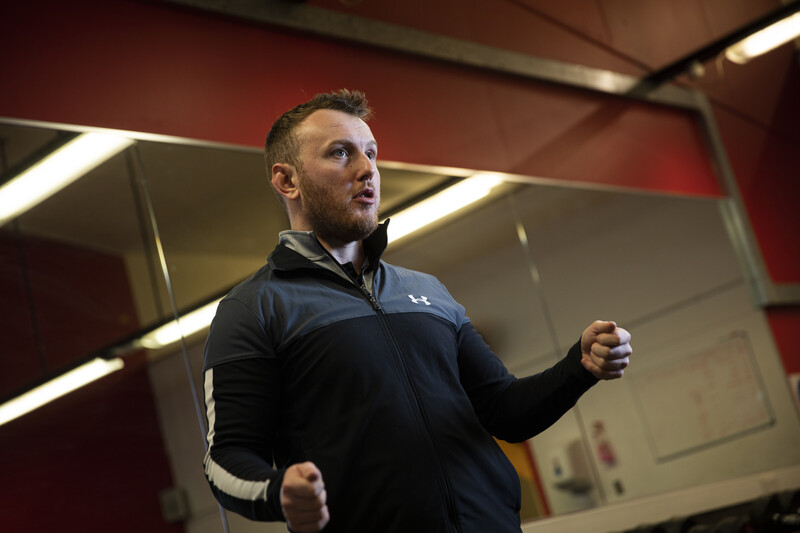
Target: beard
339, 220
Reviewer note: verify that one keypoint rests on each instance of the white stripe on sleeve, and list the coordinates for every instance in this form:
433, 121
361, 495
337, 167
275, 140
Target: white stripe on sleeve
221, 478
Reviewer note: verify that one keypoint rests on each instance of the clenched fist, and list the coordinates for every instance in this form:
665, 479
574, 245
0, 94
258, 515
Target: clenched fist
605, 349
303, 498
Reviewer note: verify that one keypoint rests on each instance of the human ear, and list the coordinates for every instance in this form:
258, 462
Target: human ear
284, 180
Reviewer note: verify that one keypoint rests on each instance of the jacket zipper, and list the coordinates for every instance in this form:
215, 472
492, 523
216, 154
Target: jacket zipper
447, 490
443, 479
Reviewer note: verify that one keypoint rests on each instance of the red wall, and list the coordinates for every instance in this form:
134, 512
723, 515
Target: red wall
59, 303
91, 461
16, 327
74, 464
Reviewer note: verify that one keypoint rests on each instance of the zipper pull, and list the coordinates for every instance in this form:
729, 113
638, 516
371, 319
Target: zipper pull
363, 287
372, 300
374, 303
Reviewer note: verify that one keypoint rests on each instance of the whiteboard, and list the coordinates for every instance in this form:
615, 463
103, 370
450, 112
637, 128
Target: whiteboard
702, 399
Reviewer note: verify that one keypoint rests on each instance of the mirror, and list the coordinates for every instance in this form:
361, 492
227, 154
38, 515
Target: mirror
168, 226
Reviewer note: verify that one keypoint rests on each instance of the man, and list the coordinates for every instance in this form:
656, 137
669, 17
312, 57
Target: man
336, 397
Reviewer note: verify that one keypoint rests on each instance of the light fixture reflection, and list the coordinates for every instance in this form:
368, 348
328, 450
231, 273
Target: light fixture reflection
764, 40
57, 170
57, 387
441, 204
173, 331
407, 221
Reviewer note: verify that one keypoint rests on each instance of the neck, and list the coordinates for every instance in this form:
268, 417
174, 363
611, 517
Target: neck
350, 252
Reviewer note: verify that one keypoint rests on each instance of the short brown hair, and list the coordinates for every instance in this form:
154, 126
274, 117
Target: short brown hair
281, 145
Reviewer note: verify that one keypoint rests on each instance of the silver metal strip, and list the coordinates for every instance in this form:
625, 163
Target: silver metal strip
130, 134
763, 290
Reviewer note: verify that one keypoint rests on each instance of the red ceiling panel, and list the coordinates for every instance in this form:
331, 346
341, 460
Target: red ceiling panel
539, 28
656, 33
764, 91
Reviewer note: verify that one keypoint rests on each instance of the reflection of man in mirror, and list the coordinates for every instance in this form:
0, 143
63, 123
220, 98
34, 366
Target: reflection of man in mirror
346, 393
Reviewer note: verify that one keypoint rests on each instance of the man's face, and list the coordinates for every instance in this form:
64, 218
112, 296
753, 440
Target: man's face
338, 178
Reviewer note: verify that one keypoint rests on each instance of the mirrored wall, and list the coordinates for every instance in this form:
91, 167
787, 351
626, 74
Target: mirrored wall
165, 227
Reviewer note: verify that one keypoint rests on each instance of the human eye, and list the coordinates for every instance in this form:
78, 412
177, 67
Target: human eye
339, 152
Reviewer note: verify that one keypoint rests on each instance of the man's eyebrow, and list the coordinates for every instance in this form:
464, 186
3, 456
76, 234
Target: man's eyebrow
350, 142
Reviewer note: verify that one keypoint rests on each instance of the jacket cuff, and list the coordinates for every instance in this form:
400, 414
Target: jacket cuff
575, 355
274, 495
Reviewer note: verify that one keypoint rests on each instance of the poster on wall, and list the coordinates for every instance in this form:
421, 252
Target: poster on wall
703, 399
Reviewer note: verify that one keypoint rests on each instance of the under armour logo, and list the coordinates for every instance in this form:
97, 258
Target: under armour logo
421, 299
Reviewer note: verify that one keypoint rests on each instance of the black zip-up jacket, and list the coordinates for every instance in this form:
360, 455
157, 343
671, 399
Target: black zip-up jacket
383, 383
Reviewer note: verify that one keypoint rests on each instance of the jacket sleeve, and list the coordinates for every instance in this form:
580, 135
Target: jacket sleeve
241, 389
514, 409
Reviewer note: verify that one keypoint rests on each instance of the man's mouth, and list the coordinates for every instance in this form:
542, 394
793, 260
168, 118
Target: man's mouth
366, 195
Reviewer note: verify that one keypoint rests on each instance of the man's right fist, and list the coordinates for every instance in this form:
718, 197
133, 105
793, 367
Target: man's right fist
303, 498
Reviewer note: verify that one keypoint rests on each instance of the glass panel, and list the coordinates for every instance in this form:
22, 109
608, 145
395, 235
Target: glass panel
216, 221
215, 214
663, 267
81, 274
67, 299
70, 268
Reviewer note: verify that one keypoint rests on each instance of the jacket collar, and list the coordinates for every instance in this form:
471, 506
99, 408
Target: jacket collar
302, 249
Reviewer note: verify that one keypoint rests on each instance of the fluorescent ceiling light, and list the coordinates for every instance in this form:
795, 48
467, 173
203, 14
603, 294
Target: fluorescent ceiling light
56, 171
57, 387
764, 40
185, 326
441, 204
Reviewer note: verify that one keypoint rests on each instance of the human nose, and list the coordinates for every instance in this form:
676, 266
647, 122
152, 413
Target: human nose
366, 167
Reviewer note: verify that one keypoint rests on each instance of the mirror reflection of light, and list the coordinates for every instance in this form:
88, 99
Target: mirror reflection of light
407, 221
173, 331
441, 204
57, 387
57, 170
